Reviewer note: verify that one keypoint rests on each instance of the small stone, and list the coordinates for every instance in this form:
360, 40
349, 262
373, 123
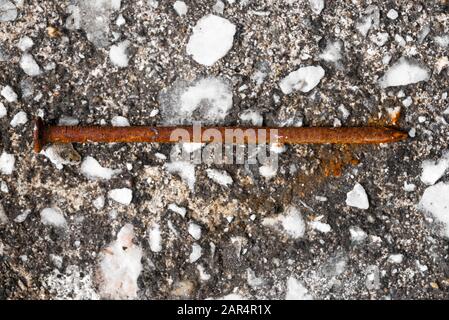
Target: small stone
92, 169
179, 210
196, 253
180, 8
4, 187
357, 197
7, 162
211, 39
407, 102
123, 195
404, 72
53, 217
25, 43
119, 121
304, 79
357, 234
3, 111
8, 11
395, 258
19, 119
22, 217
194, 231
155, 238
218, 7
29, 65
98, 203
120, 20
409, 187
68, 121
118, 54
316, 6
392, 14
9, 94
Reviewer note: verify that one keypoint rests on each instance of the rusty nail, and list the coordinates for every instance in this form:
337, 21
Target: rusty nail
45, 134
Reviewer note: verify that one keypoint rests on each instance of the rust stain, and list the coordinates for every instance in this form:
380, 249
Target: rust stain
333, 163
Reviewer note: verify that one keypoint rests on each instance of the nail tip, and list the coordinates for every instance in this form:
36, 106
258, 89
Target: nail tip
38, 134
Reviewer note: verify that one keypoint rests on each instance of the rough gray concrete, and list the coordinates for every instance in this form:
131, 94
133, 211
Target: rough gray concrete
241, 255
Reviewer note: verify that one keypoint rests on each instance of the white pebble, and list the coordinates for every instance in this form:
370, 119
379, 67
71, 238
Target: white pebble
357, 234
404, 72
19, 119
7, 162
119, 267
304, 79
253, 117
194, 230
3, 111
25, 43
218, 7
180, 8
320, 226
395, 258
93, 170
9, 94
316, 6
98, 202
296, 290
155, 238
436, 202
120, 20
357, 197
53, 217
119, 121
196, 253
68, 121
211, 39
179, 210
409, 187
22, 217
122, 195
392, 14
4, 187
8, 11
118, 54
407, 102
29, 65
344, 112
432, 171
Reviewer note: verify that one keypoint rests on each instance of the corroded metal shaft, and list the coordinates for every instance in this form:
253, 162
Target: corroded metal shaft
45, 134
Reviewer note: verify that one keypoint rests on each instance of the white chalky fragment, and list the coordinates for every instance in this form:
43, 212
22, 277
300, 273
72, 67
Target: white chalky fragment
211, 39
304, 79
29, 65
122, 195
357, 197
9, 94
